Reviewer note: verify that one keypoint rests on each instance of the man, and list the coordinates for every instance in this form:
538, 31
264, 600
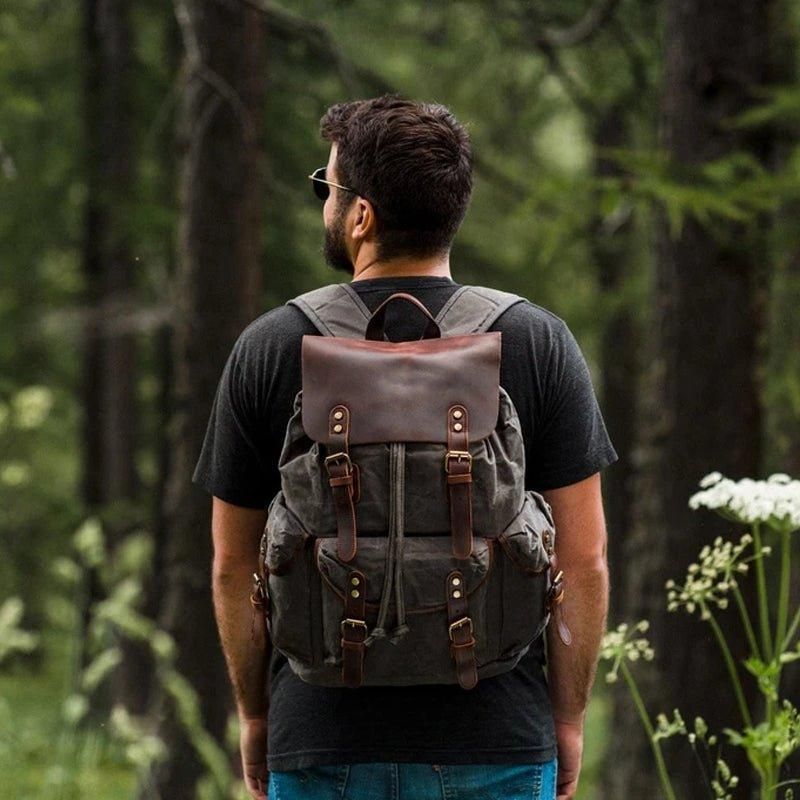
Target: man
396, 187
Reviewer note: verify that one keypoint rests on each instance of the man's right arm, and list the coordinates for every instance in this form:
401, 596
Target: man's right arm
245, 642
581, 553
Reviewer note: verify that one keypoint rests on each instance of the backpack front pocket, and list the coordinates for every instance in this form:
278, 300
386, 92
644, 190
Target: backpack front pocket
413, 645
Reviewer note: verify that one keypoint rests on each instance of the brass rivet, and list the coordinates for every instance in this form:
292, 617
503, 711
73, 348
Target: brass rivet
338, 428
456, 581
354, 581
456, 594
458, 426
458, 414
338, 414
355, 593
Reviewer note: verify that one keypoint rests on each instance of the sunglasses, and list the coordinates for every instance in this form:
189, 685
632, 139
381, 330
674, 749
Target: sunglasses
320, 184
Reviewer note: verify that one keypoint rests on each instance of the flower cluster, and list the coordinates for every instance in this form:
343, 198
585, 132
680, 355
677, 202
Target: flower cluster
724, 780
710, 580
617, 645
775, 501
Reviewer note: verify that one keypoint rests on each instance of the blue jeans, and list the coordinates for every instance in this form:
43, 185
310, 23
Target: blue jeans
385, 781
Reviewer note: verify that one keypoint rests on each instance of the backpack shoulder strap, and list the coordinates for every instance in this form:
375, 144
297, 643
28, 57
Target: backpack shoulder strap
474, 309
335, 310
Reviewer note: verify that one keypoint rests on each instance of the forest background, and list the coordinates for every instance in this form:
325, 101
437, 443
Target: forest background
637, 173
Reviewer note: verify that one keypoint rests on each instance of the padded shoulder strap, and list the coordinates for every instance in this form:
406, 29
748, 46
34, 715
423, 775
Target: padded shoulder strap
335, 310
474, 309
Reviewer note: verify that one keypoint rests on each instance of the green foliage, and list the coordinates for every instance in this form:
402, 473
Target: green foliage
42, 753
734, 189
541, 211
119, 614
13, 638
774, 506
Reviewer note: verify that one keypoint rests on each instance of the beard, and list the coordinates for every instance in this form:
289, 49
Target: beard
336, 255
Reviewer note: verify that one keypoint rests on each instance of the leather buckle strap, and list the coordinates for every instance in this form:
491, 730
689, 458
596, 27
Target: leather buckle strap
340, 478
355, 623
457, 624
555, 596
458, 455
335, 458
460, 631
458, 469
354, 629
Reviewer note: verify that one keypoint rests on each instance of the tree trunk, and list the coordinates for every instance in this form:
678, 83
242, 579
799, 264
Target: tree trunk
110, 480
702, 408
162, 355
219, 266
619, 359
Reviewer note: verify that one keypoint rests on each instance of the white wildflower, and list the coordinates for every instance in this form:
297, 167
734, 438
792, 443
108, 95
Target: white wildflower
774, 501
666, 727
617, 645
711, 479
712, 578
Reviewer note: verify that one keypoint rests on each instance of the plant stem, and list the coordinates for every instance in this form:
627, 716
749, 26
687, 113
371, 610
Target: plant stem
729, 662
784, 589
751, 636
791, 632
763, 603
637, 699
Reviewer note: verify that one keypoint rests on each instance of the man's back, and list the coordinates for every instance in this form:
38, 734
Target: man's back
505, 719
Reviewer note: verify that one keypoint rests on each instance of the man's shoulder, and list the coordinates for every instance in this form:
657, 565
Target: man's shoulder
531, 318
279, 328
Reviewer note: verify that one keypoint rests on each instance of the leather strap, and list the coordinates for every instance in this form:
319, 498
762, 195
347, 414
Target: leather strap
375, 325
462, 641
458, 466
554, 597
354, 630
340, 473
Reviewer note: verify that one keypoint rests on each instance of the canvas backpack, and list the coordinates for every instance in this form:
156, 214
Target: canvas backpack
403, 547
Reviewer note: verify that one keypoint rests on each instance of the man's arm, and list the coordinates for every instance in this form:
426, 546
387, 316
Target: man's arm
581, 554
236, 533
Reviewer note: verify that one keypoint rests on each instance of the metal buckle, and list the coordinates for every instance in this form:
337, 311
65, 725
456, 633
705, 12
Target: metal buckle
336, 456
257, 582
458, 455
356, 623
457, 624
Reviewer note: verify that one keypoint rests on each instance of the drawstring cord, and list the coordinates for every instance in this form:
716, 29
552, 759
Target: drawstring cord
393, 566
400, 491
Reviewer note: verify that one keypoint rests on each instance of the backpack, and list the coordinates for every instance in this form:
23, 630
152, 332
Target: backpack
402, 547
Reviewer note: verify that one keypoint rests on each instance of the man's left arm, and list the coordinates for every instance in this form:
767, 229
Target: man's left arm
236, 533
581, 554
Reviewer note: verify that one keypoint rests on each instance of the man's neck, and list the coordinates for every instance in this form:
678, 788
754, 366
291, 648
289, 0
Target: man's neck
398, 268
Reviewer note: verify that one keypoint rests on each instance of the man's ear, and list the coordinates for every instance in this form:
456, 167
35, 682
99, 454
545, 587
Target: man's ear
364, 219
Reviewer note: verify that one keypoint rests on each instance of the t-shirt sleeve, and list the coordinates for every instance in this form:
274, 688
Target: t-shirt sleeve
230, 465
570, 438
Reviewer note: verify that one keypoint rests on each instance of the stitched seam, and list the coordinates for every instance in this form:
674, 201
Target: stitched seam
344, 777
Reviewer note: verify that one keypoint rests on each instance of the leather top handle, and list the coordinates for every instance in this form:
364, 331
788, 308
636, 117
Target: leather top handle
376, 321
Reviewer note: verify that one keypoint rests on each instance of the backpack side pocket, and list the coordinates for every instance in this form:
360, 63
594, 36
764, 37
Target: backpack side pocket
524, 572
292, 584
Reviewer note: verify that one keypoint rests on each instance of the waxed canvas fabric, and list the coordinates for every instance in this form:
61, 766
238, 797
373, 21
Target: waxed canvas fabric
308, 584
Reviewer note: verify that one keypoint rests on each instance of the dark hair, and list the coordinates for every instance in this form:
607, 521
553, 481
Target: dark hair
412, 161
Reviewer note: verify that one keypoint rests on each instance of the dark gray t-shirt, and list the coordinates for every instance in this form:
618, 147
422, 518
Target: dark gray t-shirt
505, 719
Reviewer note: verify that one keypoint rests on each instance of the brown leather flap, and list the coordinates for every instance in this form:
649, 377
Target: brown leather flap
401, 391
